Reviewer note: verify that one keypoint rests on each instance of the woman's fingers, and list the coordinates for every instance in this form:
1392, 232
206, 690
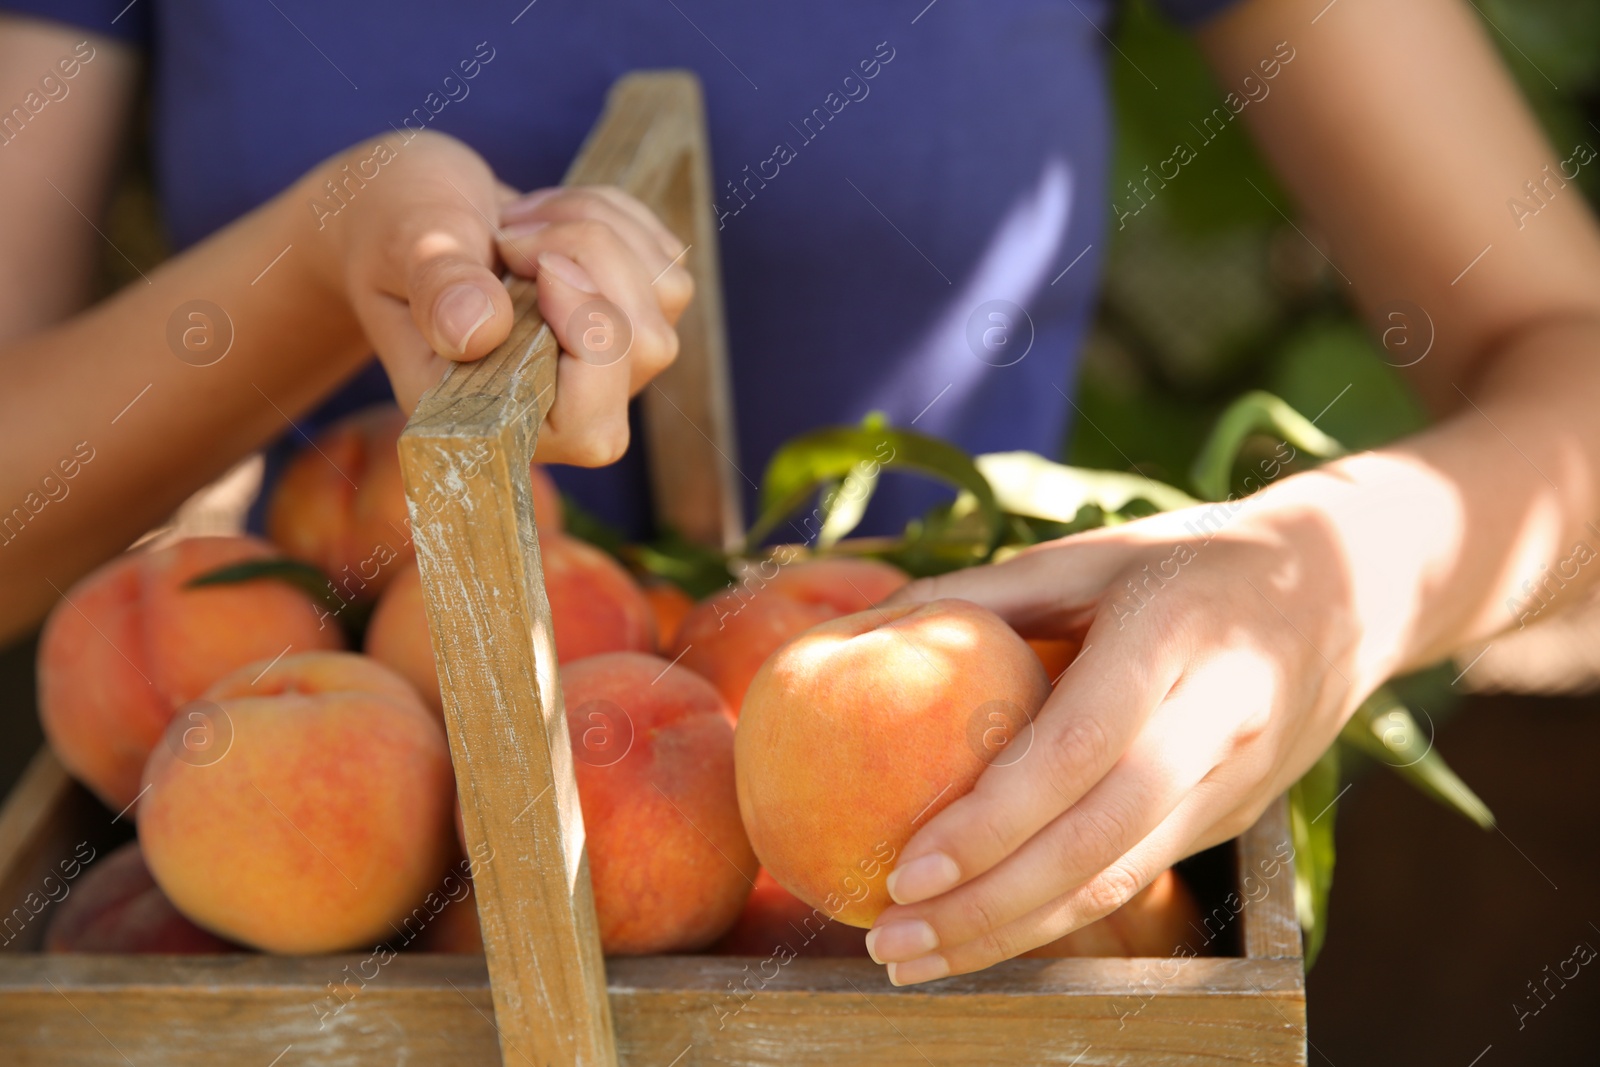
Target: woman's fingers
1179, 746
1044, 768
660, 254
1096, 898
420, 239
1044, 590
422, 257
596, 273
540, 204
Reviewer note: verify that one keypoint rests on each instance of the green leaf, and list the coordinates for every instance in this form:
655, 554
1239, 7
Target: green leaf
352, 615
695, 568
578, 521
834, 453
1312, 803
845, 504
1254, 412
1385, 729
303, 576
1030, 485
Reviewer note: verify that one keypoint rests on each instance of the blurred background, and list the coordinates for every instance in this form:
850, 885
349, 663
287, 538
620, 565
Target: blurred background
1443, 939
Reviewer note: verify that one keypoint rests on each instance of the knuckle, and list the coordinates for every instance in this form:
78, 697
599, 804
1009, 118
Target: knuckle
604, 445
1095, 831
661, 348
1081, 745
999, 944
987, 823
982, 913
591, 232
1111, 889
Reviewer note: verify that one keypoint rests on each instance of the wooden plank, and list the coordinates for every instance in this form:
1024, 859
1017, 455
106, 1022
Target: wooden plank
438, 1009
811, 1013
688, 410
1264, 881
465, 455
188, 1011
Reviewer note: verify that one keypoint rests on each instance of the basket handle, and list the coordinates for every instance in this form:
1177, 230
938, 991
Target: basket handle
465, 454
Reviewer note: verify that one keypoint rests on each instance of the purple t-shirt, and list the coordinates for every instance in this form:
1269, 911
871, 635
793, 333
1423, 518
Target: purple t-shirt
912, 196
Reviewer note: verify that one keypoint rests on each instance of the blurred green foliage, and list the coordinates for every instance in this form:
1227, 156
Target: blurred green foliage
1210, 290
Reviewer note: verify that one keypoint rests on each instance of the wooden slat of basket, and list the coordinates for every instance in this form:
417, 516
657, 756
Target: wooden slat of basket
198, 1011
465, 455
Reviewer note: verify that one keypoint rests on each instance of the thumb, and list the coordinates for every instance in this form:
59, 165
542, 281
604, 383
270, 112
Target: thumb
459, 305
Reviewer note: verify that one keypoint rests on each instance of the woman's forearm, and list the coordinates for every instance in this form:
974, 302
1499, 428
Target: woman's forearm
111, 418
1482, 523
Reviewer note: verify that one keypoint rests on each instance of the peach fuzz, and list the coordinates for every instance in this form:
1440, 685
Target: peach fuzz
595, 605
320, 817
131, 642
118, 908
857, 732
341, 505
727, 637
653, 751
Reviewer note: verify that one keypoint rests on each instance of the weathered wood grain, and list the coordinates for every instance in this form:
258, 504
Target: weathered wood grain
1264, 877
465, 455
193, 1011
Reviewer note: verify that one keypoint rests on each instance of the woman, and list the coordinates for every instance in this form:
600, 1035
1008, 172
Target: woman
884, 176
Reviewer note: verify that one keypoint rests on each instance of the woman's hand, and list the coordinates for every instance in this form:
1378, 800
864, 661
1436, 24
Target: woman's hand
418, 236
1221, 657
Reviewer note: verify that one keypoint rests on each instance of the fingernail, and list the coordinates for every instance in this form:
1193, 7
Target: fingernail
899, 941
458, 313
523, 206
925, 969
567, 271
516, 231
924, 877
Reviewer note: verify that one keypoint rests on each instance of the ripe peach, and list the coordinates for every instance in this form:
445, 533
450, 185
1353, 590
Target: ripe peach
320, 816
131, 642
1158, 921
1056, 653
669, 605
397, 634
595, 606
859, 730
776, 923
117, 907
728, 636
341, 505
653, 750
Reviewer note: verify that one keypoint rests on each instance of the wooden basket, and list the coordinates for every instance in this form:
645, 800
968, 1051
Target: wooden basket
543, 995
